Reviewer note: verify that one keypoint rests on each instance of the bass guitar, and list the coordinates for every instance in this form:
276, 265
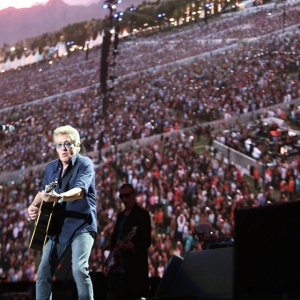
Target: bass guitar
112, 259
41, 226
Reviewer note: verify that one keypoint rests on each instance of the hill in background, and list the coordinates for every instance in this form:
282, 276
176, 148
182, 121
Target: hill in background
20, 24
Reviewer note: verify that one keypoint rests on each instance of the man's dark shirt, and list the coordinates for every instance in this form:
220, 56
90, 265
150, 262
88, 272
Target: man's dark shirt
75, 217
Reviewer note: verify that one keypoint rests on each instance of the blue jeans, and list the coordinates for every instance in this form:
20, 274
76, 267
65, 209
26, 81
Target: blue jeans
52, 256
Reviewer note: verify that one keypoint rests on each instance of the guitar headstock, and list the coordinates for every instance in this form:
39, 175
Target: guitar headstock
131, 233
51, 186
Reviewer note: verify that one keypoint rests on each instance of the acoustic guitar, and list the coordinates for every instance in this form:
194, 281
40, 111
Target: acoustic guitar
112, 259
41, 226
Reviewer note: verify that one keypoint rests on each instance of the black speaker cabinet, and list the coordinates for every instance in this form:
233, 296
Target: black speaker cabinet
206, 274
166, 283
267, 252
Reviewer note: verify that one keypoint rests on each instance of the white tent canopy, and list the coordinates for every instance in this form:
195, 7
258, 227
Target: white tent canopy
60, 49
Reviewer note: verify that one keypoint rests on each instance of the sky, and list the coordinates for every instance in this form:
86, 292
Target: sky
28, 3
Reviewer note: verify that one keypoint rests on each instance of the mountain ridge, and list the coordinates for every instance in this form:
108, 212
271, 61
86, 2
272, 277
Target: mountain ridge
20, 24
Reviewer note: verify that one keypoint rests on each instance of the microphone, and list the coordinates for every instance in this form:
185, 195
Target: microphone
7, 128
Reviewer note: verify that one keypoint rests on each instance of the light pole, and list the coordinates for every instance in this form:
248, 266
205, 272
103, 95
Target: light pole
284, 15
111, 5
132, 9
206, 8
160, 18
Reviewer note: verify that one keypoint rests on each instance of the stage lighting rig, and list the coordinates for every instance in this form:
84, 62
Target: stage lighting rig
111, 4
206, 11
119, 15
161, 18
106, 59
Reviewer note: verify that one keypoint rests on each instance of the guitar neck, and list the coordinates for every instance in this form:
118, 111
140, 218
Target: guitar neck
47, 206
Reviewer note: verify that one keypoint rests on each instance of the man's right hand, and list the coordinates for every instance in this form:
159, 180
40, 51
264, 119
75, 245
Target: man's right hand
33, 211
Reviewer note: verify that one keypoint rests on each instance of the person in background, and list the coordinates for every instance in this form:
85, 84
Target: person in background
128, 275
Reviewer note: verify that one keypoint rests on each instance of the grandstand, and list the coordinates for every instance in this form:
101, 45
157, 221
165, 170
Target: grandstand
174, 90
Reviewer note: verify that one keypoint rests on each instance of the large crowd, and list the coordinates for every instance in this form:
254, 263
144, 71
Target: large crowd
40, 80
181, 187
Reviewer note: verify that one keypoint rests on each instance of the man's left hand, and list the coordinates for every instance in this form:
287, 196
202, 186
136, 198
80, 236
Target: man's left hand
128, 246
49, 197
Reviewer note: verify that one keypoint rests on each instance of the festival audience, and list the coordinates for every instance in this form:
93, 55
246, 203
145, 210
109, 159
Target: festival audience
179, 186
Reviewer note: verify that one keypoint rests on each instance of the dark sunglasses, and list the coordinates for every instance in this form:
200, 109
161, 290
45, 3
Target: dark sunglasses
65, 145
127, 195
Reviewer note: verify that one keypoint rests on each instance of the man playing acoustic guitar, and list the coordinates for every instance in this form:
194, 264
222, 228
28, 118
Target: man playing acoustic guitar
128, 267
73, 223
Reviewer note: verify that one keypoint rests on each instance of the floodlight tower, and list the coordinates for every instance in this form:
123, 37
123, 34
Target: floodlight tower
111, 5
132, 9
206, 8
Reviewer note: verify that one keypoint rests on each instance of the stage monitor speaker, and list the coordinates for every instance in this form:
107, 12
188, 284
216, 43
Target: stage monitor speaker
165, 285
207, 274
267, 248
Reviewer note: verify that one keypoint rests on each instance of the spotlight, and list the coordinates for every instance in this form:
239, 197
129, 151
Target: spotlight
111, 3
107, 4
